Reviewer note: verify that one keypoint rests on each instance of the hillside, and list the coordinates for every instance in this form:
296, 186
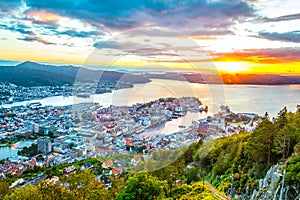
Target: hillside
245, 159
29, 77
251, 164
35, 74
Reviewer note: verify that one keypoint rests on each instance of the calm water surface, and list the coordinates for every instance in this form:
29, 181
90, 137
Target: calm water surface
241, 98
6, 152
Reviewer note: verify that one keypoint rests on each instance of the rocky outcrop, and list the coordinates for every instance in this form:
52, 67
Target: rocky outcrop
270, 187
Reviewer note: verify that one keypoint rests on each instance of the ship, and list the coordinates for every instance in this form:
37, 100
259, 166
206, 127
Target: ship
83, 95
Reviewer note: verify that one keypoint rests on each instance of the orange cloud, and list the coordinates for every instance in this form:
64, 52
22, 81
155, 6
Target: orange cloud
202, 37
262, 56
244, 57
44, 16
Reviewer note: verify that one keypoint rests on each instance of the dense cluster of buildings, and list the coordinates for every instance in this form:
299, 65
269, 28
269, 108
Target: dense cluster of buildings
10, 93
71, 133
34, 118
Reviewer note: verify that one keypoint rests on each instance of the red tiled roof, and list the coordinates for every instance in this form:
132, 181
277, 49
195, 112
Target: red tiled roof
117, 171
107, 164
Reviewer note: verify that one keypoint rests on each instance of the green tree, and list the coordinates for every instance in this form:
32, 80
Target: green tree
51, 190
4, 188
281, 120
82, 185
191, 175
40, 158
284, 140
169, 174
143, 186
262, 141
25, 193
71, 145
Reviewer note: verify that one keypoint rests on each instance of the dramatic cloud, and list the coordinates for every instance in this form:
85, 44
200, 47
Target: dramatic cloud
42, 18
280, 55
152, 44
118, 15
94, 19
81, 34
8, 6
282, 18
34, 38
116, 45
155, 30
293, 36
17, 28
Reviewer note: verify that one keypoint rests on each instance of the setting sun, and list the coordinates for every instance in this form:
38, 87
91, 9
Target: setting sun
232, 67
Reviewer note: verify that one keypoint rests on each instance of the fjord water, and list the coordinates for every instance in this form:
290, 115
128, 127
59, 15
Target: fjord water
241, 98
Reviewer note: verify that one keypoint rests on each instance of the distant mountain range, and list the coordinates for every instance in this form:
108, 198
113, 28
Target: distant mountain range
33, 74
258, 79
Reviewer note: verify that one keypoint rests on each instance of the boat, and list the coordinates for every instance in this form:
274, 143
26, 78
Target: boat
140, 130
195, 123
83, 95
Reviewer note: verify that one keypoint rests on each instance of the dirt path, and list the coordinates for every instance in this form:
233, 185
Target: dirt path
217, 193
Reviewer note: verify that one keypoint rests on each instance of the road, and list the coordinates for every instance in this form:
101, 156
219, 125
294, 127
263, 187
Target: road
217, 193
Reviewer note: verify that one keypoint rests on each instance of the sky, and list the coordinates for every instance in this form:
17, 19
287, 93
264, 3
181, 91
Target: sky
231, 36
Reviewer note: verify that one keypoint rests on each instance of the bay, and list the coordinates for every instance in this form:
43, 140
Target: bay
241, 98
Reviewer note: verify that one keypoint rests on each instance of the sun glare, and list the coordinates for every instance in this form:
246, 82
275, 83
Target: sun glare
231, 67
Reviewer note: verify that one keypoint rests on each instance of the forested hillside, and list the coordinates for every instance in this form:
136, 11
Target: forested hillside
248, 156
240, 159
35, 74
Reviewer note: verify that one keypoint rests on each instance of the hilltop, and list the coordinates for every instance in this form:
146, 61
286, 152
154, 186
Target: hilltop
35, 74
